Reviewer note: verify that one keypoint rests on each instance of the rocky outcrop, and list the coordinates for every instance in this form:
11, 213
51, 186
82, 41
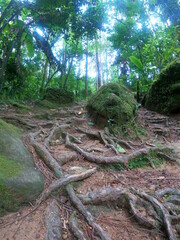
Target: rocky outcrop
164, 94
20, 182
112, 103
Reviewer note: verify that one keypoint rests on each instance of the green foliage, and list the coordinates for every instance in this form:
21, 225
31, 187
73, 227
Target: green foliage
120, 149
142, 47
30, 45
136, 62
149, 46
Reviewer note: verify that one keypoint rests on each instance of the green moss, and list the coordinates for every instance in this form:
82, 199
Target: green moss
45, 115
47, 104
8, 167
19, 181
139, 162
21, 106
113, 105
9, 128
8, 198
164, 95
60, 96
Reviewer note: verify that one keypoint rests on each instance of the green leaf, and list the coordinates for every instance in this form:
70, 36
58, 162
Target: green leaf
90, 123
30, 45
120, 149
136, 62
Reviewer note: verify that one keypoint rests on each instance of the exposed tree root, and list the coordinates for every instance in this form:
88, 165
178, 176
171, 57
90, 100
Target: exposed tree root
91, 134
108, 141
108, 160
126, 144
78, 204
166, 157
159, 207
129, 198
140, 219
95, 150
105, 141
122, 196
59, 132
74, 227
162, 192
53, 221
48, 140
20, 121
103, 195
46, 156
64, 181
151, 162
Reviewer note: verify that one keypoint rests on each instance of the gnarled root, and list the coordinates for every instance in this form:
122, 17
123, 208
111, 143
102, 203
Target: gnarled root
89, 218
159, 207
53, 221
108, 160
74, 227
46, 156
64, 181
103, 195
130, 199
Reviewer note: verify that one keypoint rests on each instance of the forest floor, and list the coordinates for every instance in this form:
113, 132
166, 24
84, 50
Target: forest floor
114, 219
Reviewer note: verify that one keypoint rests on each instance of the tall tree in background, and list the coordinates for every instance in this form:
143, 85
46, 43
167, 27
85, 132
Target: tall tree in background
20, 19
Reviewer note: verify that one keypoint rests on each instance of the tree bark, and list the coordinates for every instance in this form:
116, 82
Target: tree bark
64, 181
99, 81
86, 77
89, 218
44, 75
109, 160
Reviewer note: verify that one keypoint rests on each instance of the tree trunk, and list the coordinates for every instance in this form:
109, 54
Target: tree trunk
6, 56
138, 94
67, 75
86, 77
99, 82
44, 75
6, 10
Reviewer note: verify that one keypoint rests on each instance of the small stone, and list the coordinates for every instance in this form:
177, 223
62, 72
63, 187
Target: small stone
18, 214
16, 222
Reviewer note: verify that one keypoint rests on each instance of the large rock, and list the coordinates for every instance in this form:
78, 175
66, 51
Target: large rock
20, 182
61, 96
112, 103
164, 94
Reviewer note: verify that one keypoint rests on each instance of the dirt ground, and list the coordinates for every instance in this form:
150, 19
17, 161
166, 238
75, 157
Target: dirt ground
116, 221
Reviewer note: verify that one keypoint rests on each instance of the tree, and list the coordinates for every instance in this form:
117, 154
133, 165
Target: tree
20, 19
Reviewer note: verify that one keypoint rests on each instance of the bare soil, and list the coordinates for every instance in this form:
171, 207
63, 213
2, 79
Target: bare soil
116, 221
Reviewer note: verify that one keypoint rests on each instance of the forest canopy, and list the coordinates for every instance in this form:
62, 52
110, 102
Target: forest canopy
81, 45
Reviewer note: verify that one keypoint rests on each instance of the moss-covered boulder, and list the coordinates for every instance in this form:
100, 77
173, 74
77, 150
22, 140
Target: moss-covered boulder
112, 103
59, 95
164, 94
20, 182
